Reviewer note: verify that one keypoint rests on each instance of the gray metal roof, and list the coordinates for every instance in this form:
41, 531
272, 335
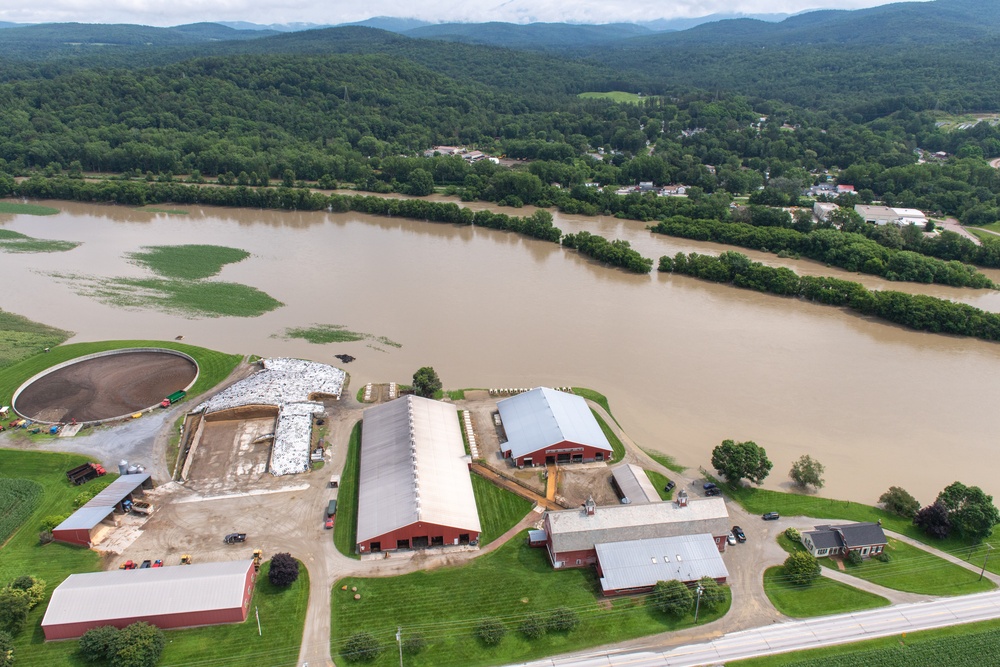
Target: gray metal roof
103, 504
105, 596
542, 417
635, 485
639, 563
851, 535
413, 468
573, 530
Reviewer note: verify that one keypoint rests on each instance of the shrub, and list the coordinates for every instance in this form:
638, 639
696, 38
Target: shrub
14, 608
882, 557
45, 537
6, 650
563, 619
801, 568
854, 558
413, 644
672, 597
712, 595
899, 501
533, 626
97, 644
361, 647
53, 520
138, 645
793, 534
284, 569
491, 631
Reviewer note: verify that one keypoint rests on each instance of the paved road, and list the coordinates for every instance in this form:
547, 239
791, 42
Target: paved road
799, 635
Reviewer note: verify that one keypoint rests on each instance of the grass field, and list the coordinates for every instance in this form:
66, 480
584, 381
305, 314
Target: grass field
616, 445
213, 366
321, 334
993, 227
499, 509
188, 262
758, 501
26, 209
660, 482
445, 605
615, 96
11, 241
823, 597
21, 338
596, 397
665, 460
970, 645
345, 529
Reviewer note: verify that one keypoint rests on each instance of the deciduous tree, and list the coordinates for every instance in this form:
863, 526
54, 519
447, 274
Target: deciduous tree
807, 471
284, 569
672, 597
426, 382
899, 501
801, 568
738, 460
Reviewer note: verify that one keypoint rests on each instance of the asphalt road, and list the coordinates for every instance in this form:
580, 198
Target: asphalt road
801, 635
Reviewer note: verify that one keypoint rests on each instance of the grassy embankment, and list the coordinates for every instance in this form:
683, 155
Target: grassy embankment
821, 598
11, 241
957, 646
909, 569
19, 208
759, 501
445, 606
616, 445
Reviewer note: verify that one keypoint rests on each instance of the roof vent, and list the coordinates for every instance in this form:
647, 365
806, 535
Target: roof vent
590, 506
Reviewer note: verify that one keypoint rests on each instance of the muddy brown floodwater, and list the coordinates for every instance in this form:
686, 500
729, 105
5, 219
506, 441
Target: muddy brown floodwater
684, 363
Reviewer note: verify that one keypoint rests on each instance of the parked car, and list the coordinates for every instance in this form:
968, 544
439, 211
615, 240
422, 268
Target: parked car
233, 538
708, 485
328, 523
771, 516
158, 563
670, 485
730, 539
714, 491
146, 564
739, 534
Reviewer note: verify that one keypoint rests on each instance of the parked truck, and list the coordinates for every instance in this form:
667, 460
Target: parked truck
172, 398
85, 473
142, 507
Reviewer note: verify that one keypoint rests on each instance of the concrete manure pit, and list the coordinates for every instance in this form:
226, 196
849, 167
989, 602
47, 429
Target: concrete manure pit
105, 386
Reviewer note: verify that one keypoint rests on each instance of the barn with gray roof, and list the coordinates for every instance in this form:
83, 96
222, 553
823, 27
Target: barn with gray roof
82, 526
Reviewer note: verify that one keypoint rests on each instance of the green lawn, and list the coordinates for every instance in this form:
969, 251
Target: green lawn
615, 96
445, 605
26, 209
823, 597
213, 366
21, 338
616, 445
973, 644
189, 262
499, 509
11, 241
345, 529
759, 501
596, 397
660, 482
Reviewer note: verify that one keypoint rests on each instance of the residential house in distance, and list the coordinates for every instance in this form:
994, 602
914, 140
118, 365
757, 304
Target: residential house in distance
868, 539
845, 189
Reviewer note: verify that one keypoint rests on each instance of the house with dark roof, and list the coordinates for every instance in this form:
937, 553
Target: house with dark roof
868, 539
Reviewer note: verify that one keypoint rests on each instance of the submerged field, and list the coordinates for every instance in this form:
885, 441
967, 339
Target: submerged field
11, 241
321, 334
188, 262
21, 338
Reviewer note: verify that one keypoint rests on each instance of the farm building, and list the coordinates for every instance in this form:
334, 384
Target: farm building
414, 484
167, 597
546, 426
635, 566
83, 527
631, 483
573, 534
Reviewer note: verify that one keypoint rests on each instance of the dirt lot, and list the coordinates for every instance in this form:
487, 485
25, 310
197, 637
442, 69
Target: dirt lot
105, 387
227, 461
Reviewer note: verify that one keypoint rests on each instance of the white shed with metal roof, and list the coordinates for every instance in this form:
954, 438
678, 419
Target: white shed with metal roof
635, 566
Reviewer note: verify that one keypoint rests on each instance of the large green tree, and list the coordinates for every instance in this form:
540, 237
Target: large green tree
900, 501
739, 460
970, 510
801, 568
807, 471
672, 597
426, 382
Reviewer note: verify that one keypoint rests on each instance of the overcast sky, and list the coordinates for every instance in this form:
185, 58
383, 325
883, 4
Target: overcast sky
174, 12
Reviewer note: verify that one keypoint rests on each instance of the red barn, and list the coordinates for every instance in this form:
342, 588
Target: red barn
545, 426
414, 487
83, 527
182, 596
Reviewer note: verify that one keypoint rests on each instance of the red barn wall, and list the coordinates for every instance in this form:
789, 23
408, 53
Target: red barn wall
589, 453
78, 536
164, 621
419, 529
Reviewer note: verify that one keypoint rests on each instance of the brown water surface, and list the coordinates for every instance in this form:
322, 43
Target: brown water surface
684, 363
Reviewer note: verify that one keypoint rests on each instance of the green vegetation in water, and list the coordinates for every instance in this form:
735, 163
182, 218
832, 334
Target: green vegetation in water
969, 645
499, 509
26, 209
615, 96
168, 211
660, 483
321, 334
11, 241
616, 445
446, 604
345, 528
188, 298
665, 460
21, 338
822, 597
188, 262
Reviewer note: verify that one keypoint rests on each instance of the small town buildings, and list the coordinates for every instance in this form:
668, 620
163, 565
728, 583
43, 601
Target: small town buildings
167, 597
632, 485
883, 215
868, 539
822, 210
84, 527
845, 189
414, 485
573, 535
545, 426
634, 566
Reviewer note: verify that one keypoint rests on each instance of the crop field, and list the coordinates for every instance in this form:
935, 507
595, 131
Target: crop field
11, 241
18, 500
21, 338
19, 208
188, 262
321, 334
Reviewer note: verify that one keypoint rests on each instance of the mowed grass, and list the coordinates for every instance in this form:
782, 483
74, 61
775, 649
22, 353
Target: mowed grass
21, 338
614, 96
445, 605
660, 482
596, 397
759, 501
20, 208
345, 528
970, 645
213, 366
11, 241
821, 598
616, 445
188, 262
499, 509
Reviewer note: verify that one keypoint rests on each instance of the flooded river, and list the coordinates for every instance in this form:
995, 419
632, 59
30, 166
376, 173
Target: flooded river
684, 363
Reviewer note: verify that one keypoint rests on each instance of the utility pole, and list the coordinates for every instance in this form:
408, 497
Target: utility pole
989, 548
399, 640
256, 611
697, 604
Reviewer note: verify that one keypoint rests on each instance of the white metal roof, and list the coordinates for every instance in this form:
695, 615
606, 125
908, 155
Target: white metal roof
105, 596
635, 485
640, 563
542, 417
103, 504
413, 468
